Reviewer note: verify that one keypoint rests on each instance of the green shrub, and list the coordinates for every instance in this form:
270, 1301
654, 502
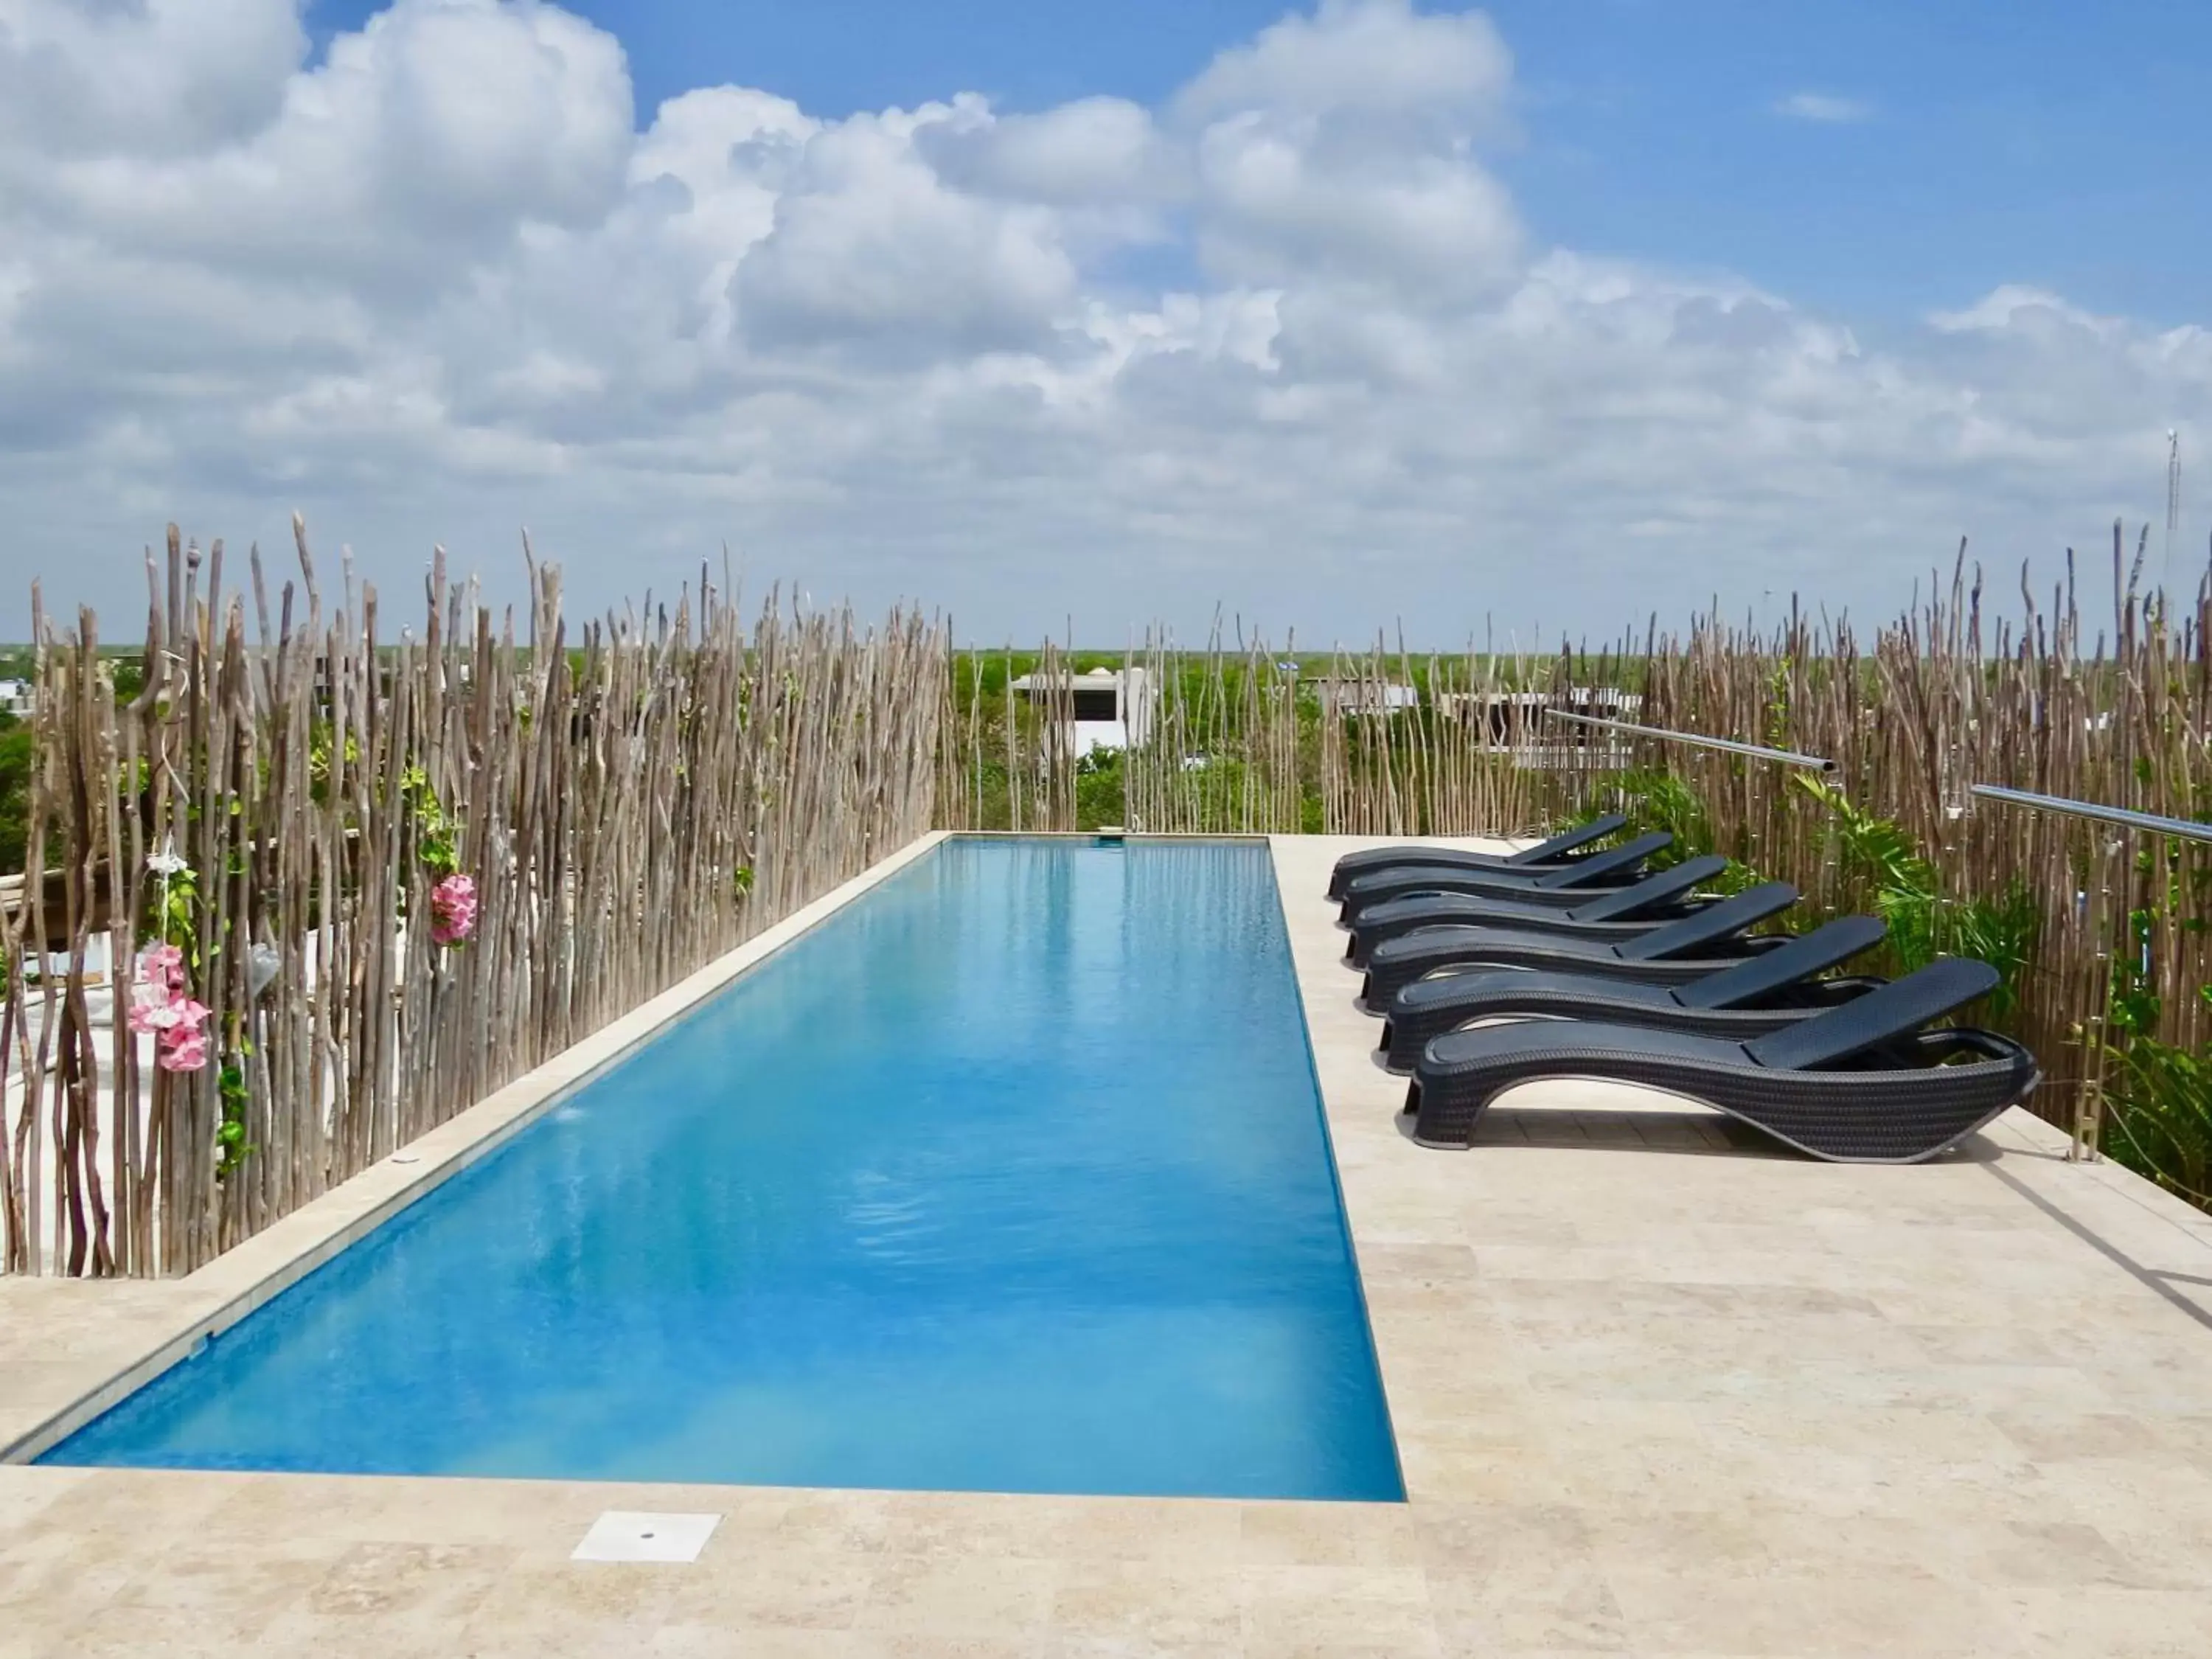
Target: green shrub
1925, 923
2161, 1114
1100, 790
17, 757
1654, 799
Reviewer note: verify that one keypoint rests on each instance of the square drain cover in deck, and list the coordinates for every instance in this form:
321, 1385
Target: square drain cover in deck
640, 1535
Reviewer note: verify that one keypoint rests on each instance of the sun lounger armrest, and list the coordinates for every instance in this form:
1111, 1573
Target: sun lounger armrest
1960, 1042
1842, 988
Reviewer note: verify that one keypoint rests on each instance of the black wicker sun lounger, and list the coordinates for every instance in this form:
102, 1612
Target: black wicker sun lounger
1861, 1083
1616, 867
1673, 955
1560, 849
1748, 998
1620, 913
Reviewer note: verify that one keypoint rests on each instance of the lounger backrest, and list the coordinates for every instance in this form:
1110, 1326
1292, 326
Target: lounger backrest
1803, 957
1581, 835
1661, 889
1887, 1012
1613, 860
1710, 925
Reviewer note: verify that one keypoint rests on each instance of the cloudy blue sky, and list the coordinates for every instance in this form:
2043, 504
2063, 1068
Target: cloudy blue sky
1553, 314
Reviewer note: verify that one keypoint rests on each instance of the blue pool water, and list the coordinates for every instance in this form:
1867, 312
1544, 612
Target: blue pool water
1010, 1176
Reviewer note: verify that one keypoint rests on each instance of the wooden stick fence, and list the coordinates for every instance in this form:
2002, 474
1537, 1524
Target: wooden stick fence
629, 801
1241, 738
1943, 699
1384, 743
634, 801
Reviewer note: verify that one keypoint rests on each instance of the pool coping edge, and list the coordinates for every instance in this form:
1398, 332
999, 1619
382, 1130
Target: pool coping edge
254, 1272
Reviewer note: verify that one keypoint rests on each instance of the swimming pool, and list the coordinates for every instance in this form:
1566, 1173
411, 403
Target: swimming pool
1010, 1176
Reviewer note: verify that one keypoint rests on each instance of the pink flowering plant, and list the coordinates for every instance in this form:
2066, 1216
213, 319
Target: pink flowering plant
163, 1008
453, 909
453, 898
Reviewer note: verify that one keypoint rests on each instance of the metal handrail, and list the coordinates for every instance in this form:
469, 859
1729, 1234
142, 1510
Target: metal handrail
2188, 829
1785, 757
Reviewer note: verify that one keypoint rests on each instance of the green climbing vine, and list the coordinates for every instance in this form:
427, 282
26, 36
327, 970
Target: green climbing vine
437, 836
1655, 798
231, 1147
2159, 1093
1925, 922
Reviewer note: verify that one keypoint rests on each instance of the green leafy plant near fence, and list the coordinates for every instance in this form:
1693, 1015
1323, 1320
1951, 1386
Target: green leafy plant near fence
2160, 1097
1100, 790
2158, 1094
1925, 922
18, 755
1652, 799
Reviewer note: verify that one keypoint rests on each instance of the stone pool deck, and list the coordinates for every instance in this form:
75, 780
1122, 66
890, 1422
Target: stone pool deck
1657, 1391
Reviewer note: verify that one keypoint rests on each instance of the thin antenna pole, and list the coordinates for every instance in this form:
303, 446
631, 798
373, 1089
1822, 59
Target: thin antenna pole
2172, 503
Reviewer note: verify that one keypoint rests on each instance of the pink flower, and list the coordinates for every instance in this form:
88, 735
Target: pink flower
163, 965
161, 1018
453, 909
149, 1002
187, 1051
160, 1008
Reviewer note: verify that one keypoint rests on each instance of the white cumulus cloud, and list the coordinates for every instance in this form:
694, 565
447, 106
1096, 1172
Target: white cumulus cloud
140, 77
1285, 342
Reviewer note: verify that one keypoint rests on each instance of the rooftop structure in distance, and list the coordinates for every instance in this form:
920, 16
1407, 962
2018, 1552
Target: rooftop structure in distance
1365, 696
1518, 716
1103, 708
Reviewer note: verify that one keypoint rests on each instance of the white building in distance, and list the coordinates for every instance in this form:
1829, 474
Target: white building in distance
1105, 709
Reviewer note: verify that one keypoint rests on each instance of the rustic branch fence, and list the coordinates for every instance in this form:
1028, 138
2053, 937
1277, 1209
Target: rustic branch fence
1244, 739
1949, 697
2106, 934
630, 800
635, 800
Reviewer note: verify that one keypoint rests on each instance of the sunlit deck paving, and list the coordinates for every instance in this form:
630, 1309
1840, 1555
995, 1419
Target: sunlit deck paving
1656, 1392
